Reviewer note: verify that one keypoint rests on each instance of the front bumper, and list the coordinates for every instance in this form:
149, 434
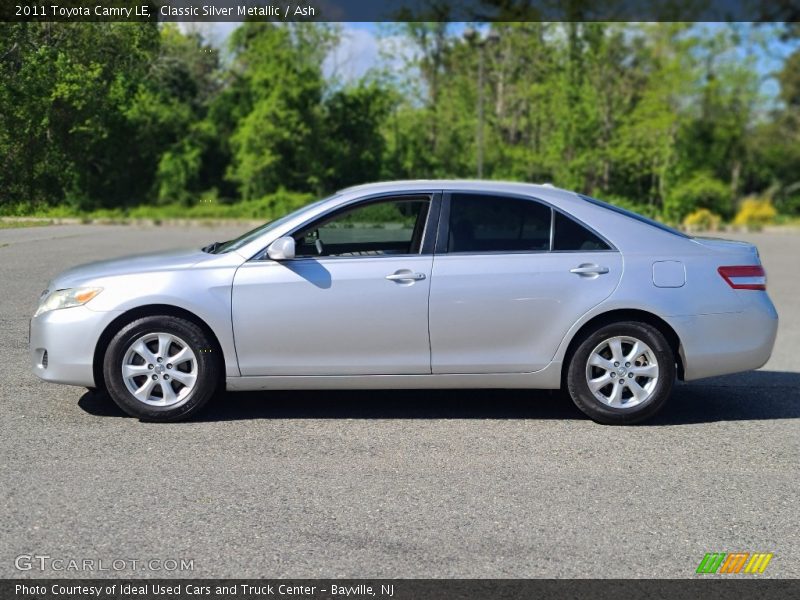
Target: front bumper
69, 336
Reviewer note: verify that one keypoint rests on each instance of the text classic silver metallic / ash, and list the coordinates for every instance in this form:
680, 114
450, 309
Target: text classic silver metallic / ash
418, 284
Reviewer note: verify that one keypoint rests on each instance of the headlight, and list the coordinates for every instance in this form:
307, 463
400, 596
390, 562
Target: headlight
67, 299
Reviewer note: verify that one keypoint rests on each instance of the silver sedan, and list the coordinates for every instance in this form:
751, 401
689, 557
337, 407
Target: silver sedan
419, 284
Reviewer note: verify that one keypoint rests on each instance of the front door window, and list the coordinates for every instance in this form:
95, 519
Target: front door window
385, 227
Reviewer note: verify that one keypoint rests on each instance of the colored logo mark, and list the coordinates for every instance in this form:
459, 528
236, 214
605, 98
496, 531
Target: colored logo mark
734, 562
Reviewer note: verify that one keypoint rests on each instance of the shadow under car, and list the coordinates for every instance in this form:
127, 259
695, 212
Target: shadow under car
755, 395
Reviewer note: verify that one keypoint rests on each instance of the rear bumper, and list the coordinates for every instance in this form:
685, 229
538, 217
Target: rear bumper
69, 336
719, 344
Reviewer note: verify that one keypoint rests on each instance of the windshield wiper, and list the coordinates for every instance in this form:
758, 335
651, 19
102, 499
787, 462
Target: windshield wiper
211, 248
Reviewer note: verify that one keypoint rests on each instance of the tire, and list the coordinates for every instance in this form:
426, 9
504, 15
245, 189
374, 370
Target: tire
648, 373
161, 368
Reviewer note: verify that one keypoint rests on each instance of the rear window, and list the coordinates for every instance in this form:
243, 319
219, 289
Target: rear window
570, 235
633, 215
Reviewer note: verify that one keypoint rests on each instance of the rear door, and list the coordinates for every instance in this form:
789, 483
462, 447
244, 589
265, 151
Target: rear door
510, 276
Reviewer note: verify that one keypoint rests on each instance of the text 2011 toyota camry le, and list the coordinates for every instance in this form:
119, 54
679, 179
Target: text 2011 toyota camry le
420, 284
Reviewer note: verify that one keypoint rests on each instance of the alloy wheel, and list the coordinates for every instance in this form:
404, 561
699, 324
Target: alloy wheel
622, 372
160, 369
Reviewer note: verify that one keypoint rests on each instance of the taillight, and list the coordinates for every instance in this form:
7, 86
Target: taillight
750, 277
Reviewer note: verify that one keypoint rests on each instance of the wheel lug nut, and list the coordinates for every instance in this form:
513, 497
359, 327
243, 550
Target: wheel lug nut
616, 364
630, 375
166, 377
150, 366
169, 365
613, 375
627, 364
155, 376
159, 359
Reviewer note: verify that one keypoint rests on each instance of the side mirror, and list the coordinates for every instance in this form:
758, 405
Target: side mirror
281, 249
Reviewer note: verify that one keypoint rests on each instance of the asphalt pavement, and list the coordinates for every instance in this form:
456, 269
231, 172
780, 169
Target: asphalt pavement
468, 484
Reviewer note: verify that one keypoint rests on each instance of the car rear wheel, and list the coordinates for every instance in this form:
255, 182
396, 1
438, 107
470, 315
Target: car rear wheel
622, 373
161, 368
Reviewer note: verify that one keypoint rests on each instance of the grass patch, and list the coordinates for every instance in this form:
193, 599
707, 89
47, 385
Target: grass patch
788, 220
18, 224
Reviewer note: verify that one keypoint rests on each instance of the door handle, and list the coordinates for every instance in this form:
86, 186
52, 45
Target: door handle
406, 276
589, 270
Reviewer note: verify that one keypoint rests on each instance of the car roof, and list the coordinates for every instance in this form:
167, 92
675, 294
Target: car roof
482, 185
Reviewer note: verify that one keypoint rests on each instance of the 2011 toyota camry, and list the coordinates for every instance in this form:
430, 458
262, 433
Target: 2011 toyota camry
419, 284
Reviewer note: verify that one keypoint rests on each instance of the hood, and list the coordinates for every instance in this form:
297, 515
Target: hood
140, 263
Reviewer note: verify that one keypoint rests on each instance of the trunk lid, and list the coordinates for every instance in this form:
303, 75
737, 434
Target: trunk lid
746, 252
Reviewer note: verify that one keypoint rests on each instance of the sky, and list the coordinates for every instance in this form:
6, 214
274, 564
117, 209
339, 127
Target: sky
365, 45
358, 50
362, 46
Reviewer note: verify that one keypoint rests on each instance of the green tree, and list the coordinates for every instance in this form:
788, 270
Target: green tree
171, 112
353, 143
775, 144
66, 88
278, 80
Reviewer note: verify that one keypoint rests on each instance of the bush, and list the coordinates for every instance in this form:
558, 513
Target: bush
755, 212
702, 220
701, 191
176, 172
209, 206
15, 210
789, 205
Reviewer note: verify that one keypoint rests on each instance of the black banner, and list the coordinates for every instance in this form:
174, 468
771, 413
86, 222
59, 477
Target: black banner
396, 589
398, 10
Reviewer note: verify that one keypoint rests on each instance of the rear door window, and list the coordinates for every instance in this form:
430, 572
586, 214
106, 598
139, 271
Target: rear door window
486, 223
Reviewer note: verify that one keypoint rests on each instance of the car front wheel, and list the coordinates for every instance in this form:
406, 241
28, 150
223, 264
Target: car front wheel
622, 373
161, 368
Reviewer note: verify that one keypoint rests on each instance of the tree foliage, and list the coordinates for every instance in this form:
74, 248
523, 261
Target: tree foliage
667, 118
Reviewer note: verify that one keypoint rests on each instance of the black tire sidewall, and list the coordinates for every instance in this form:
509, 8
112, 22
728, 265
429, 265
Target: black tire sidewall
585, 400
208, 367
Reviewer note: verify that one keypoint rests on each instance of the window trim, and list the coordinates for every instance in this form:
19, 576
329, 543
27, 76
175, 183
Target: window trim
428, 232
443, 232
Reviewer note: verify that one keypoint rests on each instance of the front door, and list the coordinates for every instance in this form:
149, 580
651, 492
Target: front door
353, 302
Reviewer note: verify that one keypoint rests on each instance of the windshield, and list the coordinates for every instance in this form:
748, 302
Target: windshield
242, 240
633, 215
